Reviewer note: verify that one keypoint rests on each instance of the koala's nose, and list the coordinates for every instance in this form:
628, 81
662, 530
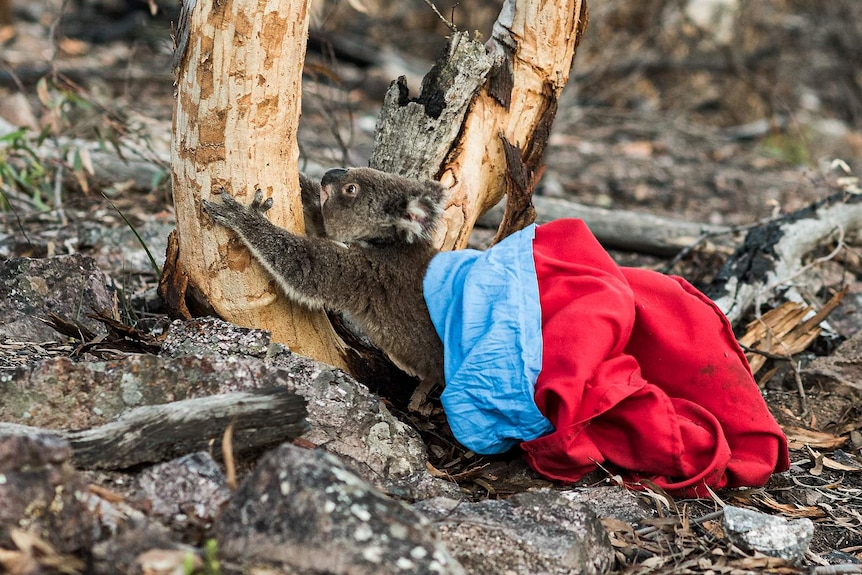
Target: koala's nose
331, 175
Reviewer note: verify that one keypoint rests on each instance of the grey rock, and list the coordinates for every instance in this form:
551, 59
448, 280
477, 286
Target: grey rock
118, 249
348, 420
532, 532
209, 336
186, 492
68, 286
345, 418
773, 536
40, 491
120, 553
303, 511
842, 369
60, 393
614, 502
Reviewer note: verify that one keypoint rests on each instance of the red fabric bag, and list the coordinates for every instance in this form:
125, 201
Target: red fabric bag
642, 372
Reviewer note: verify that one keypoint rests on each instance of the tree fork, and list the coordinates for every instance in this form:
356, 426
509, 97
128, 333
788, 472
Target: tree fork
508, 89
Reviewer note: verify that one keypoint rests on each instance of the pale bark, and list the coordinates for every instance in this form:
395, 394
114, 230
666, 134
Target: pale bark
235, 119
517, 78
533, 47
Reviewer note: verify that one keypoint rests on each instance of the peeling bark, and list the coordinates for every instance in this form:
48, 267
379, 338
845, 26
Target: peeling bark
236, 112
526, 65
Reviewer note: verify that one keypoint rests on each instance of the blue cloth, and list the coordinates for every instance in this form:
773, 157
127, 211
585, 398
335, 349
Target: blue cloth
485, 307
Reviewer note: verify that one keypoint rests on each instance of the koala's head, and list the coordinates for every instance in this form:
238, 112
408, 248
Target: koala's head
366, 205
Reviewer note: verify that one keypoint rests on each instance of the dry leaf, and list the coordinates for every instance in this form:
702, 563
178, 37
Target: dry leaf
785, 331
789, 509
830, 463
358, 5
653, 562
799, 438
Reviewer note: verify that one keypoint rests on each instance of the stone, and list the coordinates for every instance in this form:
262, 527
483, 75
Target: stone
348, 420
60, 393
70, 286
123, 552
185, 492
345, 418
613, 502
40, 491
540, 531
774, 536
303, 511
209, 335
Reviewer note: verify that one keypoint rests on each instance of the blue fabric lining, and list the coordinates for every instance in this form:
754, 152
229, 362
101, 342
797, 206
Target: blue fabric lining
485, 307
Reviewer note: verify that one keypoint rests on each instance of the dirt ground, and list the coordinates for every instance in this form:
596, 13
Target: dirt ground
730, 122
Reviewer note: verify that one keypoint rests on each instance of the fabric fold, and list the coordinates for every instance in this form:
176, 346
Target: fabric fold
548, 343
485, 306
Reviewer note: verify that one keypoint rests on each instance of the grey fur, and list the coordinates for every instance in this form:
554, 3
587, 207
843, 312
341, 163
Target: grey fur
371, 264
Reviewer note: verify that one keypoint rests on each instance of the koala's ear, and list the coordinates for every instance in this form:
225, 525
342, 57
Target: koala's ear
420, 213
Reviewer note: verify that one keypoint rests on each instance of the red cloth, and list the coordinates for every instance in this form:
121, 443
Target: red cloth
642, 372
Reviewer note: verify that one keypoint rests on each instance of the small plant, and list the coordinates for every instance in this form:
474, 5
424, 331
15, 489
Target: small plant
790, 148
22, 170
211, 562
33, 164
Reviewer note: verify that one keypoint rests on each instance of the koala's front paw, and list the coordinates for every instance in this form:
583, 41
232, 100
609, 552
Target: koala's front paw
231, 214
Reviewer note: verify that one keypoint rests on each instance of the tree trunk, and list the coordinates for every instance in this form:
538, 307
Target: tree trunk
527, 63
235, 123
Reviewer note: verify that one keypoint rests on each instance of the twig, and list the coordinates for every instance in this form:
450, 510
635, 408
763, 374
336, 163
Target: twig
451, 25
227, 455
646, 531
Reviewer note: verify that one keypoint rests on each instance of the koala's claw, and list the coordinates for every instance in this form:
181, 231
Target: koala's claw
230, 212
259, 204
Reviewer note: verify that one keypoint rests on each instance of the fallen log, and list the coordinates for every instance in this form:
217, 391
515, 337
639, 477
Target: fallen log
155, 433
625, 230
773, 254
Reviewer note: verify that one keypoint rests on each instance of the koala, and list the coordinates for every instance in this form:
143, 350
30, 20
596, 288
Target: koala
371, 263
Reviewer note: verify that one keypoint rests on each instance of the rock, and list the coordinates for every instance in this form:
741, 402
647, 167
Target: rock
532, 532
345, 417
774, 536
348, 420
303, 511
40, 491
841, 370
60, 393
186, 492
129, 548
119, 251
835, 381
614, 502
68, 286
209, 336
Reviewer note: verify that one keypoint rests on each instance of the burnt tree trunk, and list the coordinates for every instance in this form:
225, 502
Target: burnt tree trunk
773, 255
474, 100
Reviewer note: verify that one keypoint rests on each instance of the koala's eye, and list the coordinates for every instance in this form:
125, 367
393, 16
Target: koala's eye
350, 190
